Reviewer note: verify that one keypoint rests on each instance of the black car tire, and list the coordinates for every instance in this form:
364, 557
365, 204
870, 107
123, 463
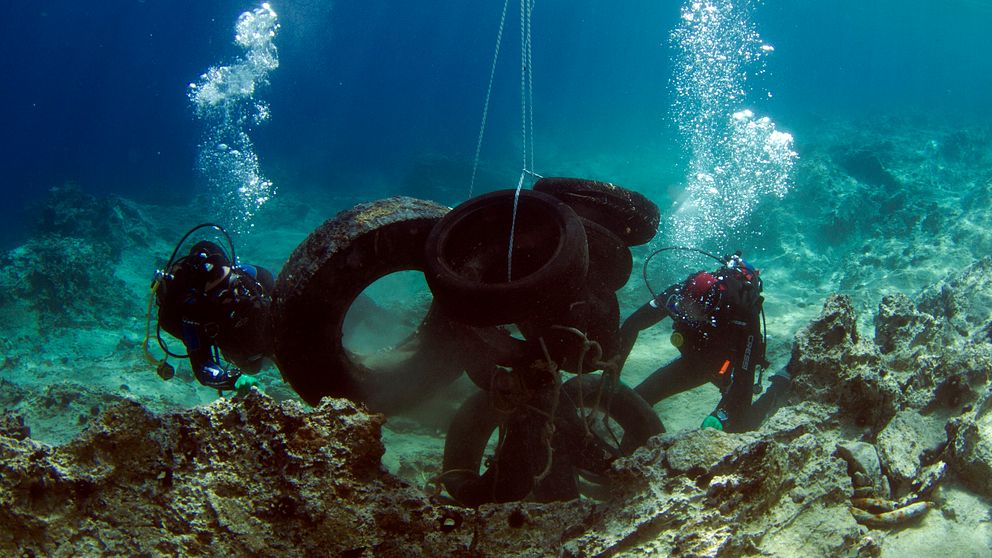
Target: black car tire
622, 403
477, 419
497, 350
467, 258
628, 214
464, 447
321, 280
610, 260
595, 313
626, 408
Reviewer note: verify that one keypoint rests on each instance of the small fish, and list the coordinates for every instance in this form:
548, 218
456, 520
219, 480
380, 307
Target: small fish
862, 516
891, 518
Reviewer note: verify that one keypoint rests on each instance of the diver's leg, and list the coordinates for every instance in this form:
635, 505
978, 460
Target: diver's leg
677, 376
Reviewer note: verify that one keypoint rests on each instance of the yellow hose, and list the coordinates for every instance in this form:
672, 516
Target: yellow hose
148, 325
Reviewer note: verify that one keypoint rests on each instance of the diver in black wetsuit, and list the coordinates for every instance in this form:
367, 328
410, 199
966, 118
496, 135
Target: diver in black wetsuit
716, 322
217, 307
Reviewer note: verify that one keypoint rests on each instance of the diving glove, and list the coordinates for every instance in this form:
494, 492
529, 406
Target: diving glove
244, 383
712, 422
717, 420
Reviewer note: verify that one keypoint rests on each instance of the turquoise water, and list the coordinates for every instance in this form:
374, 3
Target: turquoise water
375, 97
844, 146
819, 138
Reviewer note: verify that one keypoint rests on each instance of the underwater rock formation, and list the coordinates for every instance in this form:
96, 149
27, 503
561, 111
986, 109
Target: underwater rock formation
929, 356
67, 268
863, 165
963, 303
862, 457
243, 477
63, 278
70, 212
892, 417
255, 477
922, 388
232, 478
747, 494
906, 443
970, 449
833, 364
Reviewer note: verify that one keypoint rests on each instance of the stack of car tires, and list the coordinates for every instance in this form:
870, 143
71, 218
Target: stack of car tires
546, 263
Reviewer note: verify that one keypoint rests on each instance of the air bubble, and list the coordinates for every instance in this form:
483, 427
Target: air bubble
224, 100
736, 159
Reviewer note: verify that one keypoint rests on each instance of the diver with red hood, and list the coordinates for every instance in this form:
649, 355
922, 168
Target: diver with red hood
717, 328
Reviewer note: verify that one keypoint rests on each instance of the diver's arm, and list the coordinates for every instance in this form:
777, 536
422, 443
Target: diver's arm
213, 375
205, 367
644, 317
263, 276
746, 354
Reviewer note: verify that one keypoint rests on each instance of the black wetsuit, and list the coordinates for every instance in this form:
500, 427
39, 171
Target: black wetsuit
724, 350
215, 307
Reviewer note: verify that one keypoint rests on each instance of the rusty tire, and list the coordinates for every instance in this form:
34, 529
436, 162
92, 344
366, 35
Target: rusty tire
626, 213
321, 280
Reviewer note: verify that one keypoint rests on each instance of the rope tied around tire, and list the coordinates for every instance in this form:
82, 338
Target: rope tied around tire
597, 364
587, 345
548, 431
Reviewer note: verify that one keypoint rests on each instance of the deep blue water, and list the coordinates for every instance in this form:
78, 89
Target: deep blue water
367, 91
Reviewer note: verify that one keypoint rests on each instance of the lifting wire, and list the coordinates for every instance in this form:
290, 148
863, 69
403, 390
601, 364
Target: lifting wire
526, 119
526, 86
526, 112
489, 92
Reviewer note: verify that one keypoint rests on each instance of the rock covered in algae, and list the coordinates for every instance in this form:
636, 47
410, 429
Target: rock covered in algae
747, 495
231, 478
256, 477
832, 363
938, 349
932, 356
238, 478
907, 442
963, 302
970, 448
67, 270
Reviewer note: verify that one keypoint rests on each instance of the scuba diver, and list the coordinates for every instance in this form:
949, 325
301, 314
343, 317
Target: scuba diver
219, 309
717, 327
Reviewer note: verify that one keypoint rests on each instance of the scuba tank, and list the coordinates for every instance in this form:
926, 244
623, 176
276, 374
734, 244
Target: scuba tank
157, 289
